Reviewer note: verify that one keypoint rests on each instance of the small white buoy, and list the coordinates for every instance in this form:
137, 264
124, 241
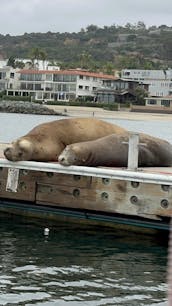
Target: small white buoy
46, 231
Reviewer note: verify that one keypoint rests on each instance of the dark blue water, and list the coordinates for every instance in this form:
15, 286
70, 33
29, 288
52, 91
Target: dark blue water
79, 265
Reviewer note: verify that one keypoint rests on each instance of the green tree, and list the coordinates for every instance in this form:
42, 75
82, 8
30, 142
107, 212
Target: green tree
37, 54
19, 64
11, 61
140, 94
108, 68
43, 57
85, 60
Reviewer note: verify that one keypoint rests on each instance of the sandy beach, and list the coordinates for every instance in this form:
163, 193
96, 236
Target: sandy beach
77, 111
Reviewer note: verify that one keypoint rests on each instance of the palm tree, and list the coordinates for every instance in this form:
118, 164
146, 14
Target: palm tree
34, 56
43, 57
85, 60
37, 54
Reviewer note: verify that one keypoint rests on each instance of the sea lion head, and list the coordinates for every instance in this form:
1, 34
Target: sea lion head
18, 150
71, 155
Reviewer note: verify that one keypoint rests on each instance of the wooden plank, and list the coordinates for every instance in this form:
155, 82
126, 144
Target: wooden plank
130, 198
63, 179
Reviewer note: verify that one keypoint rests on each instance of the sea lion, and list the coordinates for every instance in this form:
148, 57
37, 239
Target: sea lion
112, 150
46, 141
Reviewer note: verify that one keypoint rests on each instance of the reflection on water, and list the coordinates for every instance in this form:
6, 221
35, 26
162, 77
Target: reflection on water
79, 265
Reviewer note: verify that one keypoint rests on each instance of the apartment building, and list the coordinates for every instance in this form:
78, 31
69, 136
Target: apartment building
62, 85
159, 81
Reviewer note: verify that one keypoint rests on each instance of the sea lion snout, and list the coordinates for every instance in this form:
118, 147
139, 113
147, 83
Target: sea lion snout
8, 153
67, 157
18, 150
63, 161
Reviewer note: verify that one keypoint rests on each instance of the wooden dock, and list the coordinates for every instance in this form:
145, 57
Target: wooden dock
141, 197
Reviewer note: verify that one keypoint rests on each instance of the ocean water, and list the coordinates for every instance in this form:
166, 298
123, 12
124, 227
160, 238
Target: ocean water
16, 125
78, 264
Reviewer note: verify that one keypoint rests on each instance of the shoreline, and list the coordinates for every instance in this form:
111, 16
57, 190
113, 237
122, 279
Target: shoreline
78, 111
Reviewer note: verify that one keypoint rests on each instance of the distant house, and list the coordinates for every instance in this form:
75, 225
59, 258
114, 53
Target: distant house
159, 81
163, 102
7, 76
155, 105
119, 90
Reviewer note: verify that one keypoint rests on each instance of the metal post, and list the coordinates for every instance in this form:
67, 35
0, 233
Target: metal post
133, 151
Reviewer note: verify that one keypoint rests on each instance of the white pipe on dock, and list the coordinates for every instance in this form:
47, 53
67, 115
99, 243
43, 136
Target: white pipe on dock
122, 174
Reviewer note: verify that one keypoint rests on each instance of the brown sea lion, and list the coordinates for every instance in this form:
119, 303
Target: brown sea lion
46, 141
112, 150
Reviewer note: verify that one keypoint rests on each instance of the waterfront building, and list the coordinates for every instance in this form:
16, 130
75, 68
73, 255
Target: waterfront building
62, 85
159, 81
118, 90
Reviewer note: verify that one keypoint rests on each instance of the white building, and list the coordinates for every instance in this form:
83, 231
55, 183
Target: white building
159, 81
7, 77
62, 85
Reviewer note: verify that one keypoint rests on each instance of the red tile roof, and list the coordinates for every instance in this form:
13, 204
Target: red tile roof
67, 72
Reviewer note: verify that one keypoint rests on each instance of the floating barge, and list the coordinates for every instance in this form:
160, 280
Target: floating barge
141, 197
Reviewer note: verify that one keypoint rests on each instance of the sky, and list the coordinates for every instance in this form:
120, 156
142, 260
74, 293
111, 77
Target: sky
27, 16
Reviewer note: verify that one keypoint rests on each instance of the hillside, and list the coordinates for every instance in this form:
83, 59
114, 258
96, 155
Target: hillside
131, 46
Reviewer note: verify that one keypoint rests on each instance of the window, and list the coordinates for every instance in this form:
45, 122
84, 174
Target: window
86, 87
48, 77
152, 102
80, 87
31, 77
39, 95
30, 86
81, 77
64, 78
65, 87
59, 87
2, 75
73, 78
48, 86
23, 86
165, 103
67, 78
61, 96
37, 86
57, 77
72, 87
2, 86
